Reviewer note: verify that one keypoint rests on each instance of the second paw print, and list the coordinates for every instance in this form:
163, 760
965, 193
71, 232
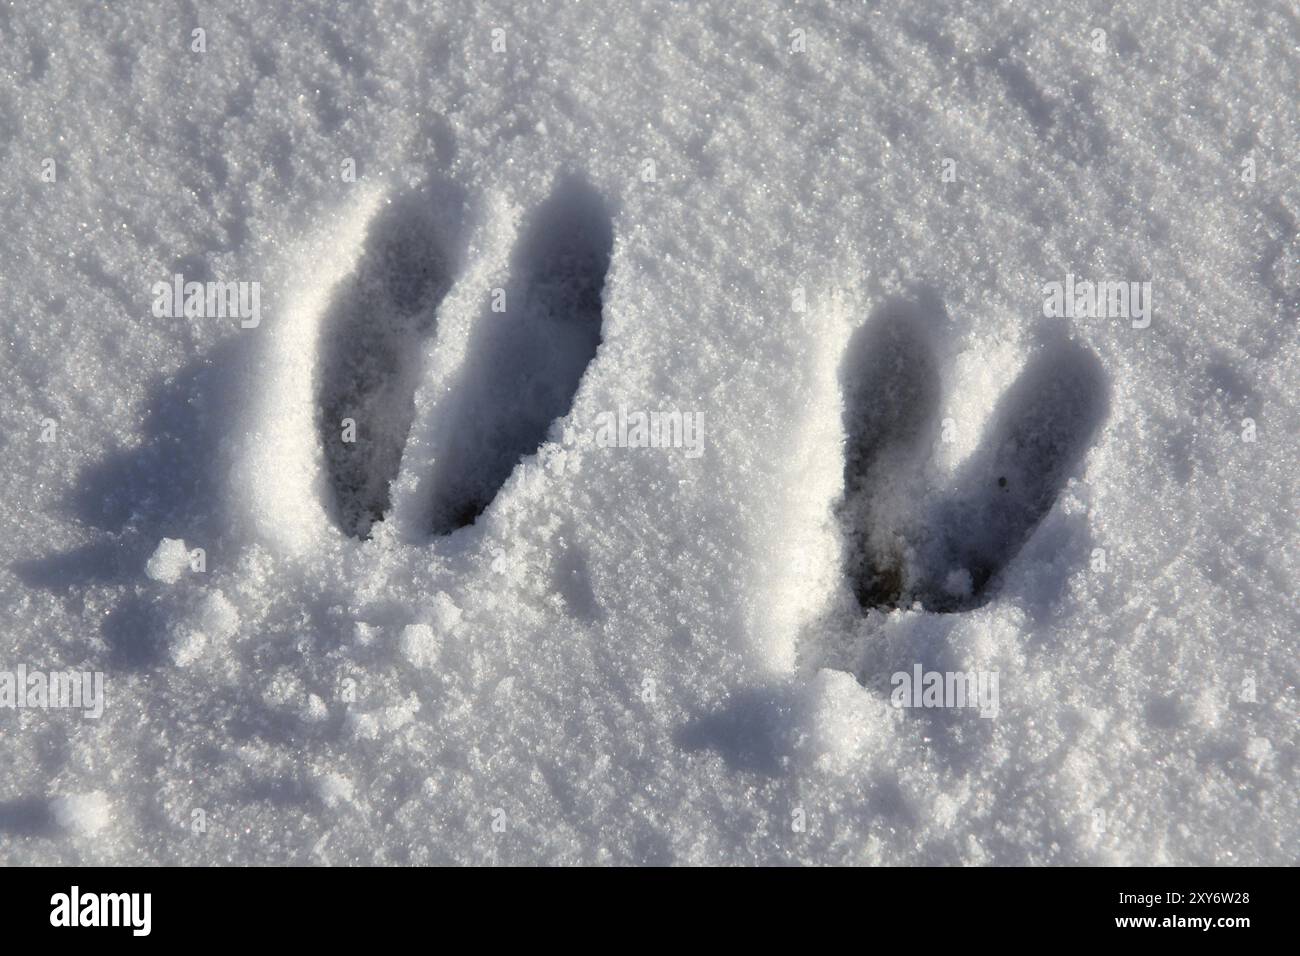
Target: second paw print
947, 556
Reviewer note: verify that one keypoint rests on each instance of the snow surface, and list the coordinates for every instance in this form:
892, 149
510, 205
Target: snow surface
633, 655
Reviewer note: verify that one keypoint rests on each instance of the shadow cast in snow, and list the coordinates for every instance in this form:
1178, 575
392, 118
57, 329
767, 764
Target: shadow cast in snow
164, 487
101, 562
167, 483
751, 730
27, 817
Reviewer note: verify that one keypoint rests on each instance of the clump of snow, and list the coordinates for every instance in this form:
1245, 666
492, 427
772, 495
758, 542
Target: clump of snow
446, 615
82, 813
363, 635
170, 560
187, 647
420, 645
334, 789
198, 619
216, 616
504, 690
314, 711
373, 722
1259, 751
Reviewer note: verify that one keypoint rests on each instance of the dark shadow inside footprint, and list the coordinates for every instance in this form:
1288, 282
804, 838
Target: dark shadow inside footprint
370, 349
524, 364
1039, 431
890, 385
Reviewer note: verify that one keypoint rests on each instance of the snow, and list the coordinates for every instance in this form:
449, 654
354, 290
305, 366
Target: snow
334, 790
83, 814
488, 636
420, 645
169, 561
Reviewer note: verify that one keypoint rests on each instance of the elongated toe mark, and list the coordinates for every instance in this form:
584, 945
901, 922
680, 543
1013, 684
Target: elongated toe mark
1039, 432
525, 363
891, 399
370, 342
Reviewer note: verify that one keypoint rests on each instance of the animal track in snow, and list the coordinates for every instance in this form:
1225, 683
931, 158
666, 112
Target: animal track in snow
947, 559
369, 360
524, 364
891, 401
524, 361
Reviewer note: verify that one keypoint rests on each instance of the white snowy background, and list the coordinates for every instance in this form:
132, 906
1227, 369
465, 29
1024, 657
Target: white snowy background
619, 662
